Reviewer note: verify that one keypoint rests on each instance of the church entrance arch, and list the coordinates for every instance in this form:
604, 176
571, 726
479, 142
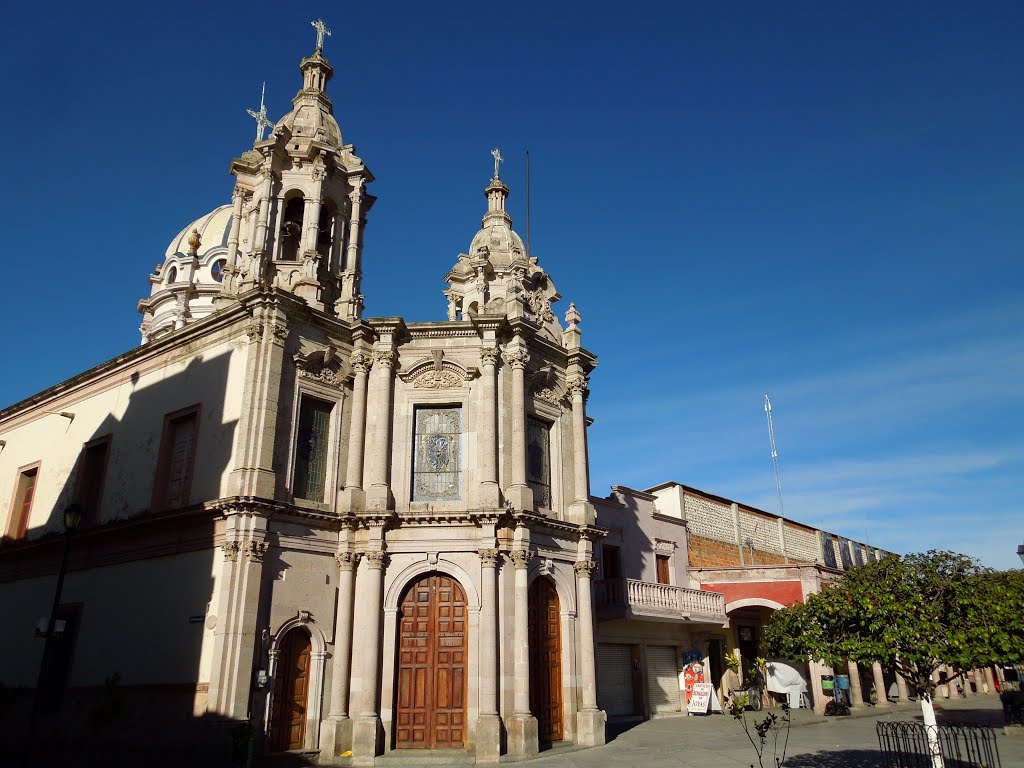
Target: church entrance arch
291, 692
545, 659
430, 697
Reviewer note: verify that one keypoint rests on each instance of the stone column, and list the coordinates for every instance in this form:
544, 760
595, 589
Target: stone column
489, 496
581, 485
237, 199
519, 493
378, 495
903, 694
816, 671
366, 730
589, 720
353, 497
352, 308
856, 692
881, 692
488, 729
263, 218
336, 730
990, 680
522, 726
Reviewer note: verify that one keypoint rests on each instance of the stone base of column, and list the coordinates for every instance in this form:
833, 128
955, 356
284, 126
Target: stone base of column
379, 498
581, 513
523, 738
352, 500
590, 727
335, 736
520, 496
488, 496
489, 730
367, 740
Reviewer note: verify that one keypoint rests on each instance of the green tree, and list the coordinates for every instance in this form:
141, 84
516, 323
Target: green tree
913, 613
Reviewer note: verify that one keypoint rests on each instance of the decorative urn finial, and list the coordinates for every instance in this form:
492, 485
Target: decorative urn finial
572, 316
194, 240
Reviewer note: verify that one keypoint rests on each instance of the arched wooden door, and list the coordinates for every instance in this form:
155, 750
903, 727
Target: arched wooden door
291, 691
545, 660
430, 699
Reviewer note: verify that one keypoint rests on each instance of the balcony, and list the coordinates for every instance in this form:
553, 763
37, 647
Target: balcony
632, 599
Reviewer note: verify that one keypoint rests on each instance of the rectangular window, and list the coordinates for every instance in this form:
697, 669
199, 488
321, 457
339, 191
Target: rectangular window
92, 472
538, 461
177, 458
311, 442
664, 576
612, 565
437, 455
21, 505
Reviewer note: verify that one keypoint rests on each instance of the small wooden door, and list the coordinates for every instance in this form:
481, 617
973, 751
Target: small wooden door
545, 660
291, 689
430, 699
663, 574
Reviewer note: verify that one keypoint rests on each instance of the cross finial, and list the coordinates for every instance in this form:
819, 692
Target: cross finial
321, 30
496, 154
262, 123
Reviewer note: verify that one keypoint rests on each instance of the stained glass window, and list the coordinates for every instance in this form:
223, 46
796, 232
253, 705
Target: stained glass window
311, 449
437, 458
538, 461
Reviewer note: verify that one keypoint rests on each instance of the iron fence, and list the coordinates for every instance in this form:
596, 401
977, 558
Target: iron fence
905, 745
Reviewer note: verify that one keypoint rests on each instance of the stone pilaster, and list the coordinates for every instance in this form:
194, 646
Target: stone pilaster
336, 730
353, 498
231, 266
856, 691
378, 495
989, 680
367, 735
519, 494
523, 738
489, 727
352, 309
589, 720
488, 494
881, 692
581, 510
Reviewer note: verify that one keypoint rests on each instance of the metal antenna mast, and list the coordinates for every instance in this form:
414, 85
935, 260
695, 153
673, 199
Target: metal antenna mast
775, 453
528, 251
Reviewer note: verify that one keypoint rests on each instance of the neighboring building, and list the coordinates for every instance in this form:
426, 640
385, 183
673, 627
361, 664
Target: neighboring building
685, 573
370, 533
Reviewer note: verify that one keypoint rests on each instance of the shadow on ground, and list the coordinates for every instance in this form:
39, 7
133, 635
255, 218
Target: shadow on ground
857, 758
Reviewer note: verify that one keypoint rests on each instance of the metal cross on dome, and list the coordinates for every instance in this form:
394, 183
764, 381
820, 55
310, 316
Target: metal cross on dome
321, 30
260, 117
496, 154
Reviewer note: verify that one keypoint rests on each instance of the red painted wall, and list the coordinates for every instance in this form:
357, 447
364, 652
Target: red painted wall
782, 592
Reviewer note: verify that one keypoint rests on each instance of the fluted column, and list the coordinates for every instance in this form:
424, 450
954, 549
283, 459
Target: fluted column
366, 729
488, 732
378, 495
589, 720
489, 496
522, 730
578, 388
519, 493
352, 267
856, 692
237, 200
336, 731
881, 692
353, 496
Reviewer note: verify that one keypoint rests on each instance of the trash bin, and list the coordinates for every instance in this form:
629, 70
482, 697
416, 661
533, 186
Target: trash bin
843, 689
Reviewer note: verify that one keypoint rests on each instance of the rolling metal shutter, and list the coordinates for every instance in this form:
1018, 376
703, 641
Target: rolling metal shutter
662, 679
615, 680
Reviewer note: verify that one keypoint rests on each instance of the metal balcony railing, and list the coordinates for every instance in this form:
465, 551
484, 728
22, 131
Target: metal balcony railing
648, 599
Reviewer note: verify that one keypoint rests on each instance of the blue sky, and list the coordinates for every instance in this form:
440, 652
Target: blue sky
822, 201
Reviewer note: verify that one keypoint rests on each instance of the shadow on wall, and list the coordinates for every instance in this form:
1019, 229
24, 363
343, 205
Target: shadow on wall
137, 596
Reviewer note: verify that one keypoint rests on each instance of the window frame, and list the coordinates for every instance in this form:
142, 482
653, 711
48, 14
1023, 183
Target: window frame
92, 517
553, 415
333, 472
158, 502
617, 559
667, 560
463, 428
549, 427
15, 518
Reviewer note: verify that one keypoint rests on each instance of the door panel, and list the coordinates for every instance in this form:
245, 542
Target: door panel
291, 693
545, 660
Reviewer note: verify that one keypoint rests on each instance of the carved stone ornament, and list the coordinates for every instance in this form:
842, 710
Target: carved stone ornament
376, 559
578, 385
305, 616
540, 305
489, 558
432, 379
254, 331
521, 557
280, 331
385, 357
322, 366
360, 362
489, 356
347, 561
230, 550
318, 173
584, 568
516, 358
544, 385
255, 550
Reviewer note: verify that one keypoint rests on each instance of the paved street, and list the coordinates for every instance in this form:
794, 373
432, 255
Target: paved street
718, 741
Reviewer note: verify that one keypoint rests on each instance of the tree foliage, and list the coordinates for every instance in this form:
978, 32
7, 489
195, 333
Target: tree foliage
914, 613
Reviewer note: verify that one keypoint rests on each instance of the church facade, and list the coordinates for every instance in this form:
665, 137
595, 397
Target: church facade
366, 533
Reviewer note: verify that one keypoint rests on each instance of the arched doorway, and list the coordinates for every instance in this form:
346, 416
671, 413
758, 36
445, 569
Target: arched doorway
291, 693
430, 698
545, 660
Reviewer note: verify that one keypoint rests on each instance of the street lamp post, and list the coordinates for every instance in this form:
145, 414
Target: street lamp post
72, 517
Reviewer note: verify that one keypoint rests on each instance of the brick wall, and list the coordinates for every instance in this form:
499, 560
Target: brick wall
801, 544
709, 553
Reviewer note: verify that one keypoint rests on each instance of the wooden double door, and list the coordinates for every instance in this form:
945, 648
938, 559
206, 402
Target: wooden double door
430, 699
545, 623
291, 693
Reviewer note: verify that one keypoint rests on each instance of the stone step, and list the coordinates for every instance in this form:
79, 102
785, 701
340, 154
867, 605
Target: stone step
409, 758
